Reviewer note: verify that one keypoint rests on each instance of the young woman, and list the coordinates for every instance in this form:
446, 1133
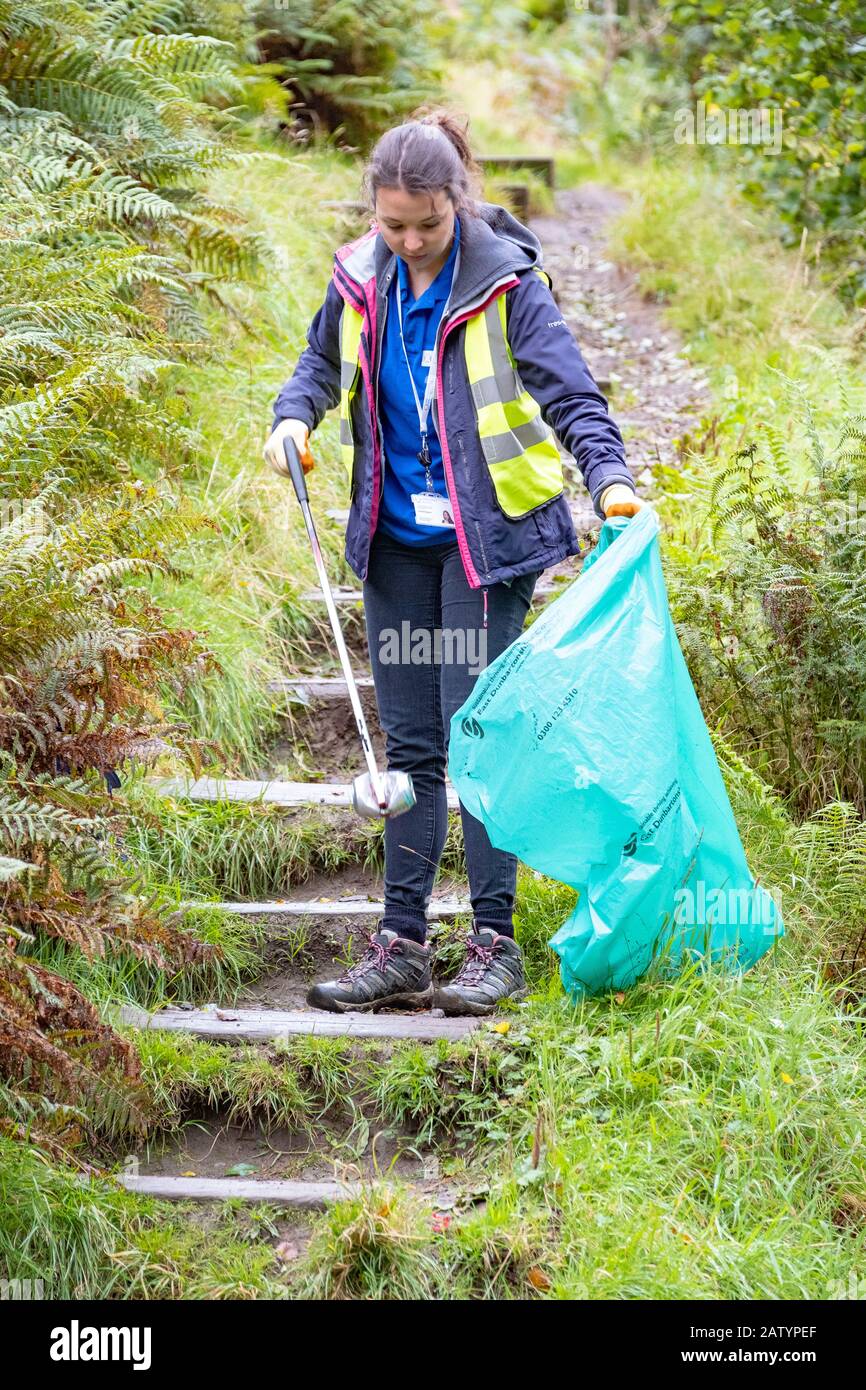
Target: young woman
455, 373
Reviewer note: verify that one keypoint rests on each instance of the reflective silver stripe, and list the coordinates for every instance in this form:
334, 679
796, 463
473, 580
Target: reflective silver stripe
506, 386
348, 372
346, 432
498, 448
498, 347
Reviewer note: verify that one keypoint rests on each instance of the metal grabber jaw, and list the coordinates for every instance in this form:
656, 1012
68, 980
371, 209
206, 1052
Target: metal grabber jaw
398, 794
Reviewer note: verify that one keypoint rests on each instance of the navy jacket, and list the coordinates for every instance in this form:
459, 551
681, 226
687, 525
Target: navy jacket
497, 256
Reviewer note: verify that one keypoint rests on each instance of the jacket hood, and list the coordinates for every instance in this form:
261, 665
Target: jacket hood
493, 245
505, 226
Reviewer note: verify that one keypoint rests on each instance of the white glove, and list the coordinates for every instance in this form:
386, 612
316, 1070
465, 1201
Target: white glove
620, 500
275, 453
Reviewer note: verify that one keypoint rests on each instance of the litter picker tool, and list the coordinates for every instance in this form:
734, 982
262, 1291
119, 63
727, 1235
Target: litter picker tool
374, 793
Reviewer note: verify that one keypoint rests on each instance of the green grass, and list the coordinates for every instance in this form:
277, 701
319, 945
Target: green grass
121, 978
699, 1138
751, 313
242, 583
696, 1139
101, 1242
374, 1245
244, 851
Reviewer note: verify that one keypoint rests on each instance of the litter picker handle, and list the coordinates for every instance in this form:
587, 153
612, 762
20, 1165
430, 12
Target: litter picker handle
296, 469
296, 472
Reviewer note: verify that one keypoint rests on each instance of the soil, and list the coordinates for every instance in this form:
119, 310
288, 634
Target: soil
209, 1147
321, 742
653, 392
353, 881
291, 971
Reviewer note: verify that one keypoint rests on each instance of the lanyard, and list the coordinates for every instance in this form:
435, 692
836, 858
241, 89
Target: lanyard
423, 407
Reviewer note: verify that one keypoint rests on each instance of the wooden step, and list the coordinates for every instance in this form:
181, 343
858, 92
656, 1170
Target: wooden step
271, 793
340, 593
438, 910
303, 1196
517, 195
346, 596
539, 164
263, 1025
317, 687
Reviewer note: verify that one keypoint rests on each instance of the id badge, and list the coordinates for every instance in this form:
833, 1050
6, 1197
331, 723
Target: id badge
432, 510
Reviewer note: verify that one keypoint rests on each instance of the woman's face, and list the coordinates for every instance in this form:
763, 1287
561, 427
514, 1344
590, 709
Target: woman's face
416, 226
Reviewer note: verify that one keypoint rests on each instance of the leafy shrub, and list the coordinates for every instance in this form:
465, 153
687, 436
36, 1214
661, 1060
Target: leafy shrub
808, 61
771, 612
106, 137
112, 117
81, 650
356, 69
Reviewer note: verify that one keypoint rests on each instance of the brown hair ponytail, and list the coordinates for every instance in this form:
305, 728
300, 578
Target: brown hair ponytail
427, 153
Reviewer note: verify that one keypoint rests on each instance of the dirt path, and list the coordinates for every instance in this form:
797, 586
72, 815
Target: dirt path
654, 394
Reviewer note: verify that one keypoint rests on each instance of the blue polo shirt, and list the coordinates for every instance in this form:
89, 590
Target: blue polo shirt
401, 432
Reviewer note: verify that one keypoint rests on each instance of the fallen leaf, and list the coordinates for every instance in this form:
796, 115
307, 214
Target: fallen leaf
620, 997
240, 1170
286, 1251
188, 1174
229, 1018
538, 1279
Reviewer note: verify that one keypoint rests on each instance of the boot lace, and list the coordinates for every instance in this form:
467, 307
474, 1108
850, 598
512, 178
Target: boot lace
374, 958
478, 960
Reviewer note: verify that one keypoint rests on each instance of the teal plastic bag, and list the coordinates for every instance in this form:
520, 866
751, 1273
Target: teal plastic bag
584, 751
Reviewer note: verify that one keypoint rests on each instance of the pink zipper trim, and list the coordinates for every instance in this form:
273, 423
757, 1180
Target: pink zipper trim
370, 297
368, 308
462, 544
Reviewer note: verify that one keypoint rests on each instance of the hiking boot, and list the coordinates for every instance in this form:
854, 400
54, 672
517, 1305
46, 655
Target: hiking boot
393, 972
492, 971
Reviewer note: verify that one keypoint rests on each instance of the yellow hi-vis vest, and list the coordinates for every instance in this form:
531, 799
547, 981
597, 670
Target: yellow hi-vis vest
518, 446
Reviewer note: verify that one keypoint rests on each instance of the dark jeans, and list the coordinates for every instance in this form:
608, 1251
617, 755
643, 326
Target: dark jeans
411, 593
